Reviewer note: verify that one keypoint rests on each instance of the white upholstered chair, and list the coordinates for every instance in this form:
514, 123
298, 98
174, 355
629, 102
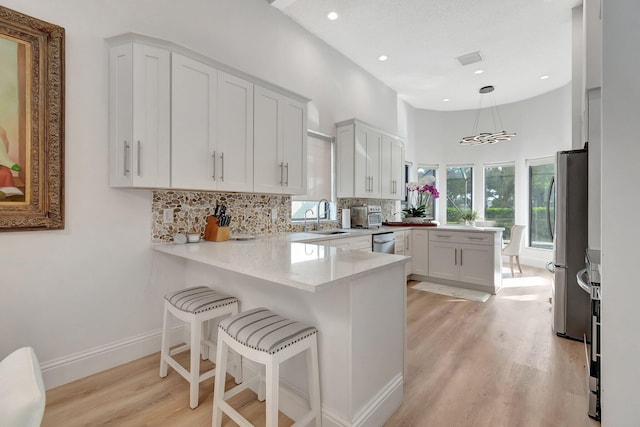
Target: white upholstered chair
22, 395
514, 247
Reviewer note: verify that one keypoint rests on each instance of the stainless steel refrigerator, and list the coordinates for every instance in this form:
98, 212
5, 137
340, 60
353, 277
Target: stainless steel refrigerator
571, 304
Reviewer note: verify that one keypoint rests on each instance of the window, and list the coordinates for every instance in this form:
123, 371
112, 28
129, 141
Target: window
423, 172
459, 192
540, 177
499, 196
319, 180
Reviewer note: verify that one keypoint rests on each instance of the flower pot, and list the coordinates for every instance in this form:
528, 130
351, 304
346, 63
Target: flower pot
414, 220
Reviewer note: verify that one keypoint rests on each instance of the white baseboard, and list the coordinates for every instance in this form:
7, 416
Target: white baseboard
79, 365
383, 404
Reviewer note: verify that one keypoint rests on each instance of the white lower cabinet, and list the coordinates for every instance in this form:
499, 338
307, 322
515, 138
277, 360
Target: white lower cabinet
402, 247
420, 252
462, 257
359, 243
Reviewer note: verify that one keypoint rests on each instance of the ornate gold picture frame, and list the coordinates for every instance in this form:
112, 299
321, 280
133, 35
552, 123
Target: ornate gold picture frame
31, 123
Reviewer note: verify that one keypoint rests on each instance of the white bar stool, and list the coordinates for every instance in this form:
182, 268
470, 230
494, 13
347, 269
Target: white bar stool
269, 339
195, 305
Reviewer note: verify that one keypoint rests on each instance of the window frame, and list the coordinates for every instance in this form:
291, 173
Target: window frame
472, 192
515, 190
540, 161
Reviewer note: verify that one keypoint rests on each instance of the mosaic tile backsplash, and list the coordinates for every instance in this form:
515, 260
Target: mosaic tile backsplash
251, 212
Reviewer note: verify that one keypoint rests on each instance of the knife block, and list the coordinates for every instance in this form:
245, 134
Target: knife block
213, 232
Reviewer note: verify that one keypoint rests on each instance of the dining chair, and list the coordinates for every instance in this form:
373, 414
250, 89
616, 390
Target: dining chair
514, 247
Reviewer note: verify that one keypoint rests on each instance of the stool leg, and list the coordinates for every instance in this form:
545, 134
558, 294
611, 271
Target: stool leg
261, 385
221, 373
164, 349
204, 348
314, 381
273, 379
194, 373
237, 359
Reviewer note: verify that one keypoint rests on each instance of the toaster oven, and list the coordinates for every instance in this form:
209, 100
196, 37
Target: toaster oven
366, 216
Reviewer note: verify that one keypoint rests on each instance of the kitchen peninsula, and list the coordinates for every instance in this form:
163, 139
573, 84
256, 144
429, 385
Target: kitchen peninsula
357, 300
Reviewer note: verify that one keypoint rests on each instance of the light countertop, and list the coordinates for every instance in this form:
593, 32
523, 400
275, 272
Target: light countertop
278, 259
294, 260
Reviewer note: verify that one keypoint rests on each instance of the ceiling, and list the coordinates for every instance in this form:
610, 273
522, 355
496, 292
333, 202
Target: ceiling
519, 41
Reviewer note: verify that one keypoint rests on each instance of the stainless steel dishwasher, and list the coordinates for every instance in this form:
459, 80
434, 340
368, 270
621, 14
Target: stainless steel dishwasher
384, 242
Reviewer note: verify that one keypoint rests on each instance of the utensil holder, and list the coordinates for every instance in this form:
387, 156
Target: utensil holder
213, 232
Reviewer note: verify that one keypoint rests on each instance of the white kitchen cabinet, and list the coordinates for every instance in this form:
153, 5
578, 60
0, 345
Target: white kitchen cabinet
420, 252
391, 162
402, 248
463, 257
139, 110
369, 162
234, 142
194, 159
212, 128
280, 149
358, 243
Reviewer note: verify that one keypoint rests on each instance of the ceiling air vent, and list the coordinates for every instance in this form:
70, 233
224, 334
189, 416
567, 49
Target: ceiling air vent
469, 58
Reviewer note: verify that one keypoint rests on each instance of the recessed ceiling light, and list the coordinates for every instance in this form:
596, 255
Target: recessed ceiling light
544, 77
445, 100
479, 71
382, 58
332, 16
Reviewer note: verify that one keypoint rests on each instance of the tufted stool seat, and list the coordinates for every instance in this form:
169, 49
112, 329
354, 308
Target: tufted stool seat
197, 306
269, 339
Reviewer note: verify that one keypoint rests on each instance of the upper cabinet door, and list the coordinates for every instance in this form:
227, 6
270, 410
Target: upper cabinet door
373, 162
140, 113
269, 169
280, 155
391, 162
195, 163
294, 146
234, 148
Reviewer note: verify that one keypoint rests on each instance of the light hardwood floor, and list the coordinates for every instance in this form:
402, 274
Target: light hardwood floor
470, 364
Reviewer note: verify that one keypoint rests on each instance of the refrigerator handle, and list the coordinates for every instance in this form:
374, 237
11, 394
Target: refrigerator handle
551, 184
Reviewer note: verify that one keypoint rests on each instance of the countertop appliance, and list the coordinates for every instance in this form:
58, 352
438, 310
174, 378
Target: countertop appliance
571, 318
366, 216
589, 280
384, 242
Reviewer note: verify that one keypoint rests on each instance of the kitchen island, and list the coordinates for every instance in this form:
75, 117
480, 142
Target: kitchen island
357, 300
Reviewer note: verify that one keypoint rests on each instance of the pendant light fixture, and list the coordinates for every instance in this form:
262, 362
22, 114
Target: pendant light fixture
487, 137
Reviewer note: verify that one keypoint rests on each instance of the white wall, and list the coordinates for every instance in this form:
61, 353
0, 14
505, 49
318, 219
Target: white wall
542, 124
621, 205
88, 298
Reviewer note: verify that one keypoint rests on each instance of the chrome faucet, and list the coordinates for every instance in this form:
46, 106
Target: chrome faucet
326, 210
305, 219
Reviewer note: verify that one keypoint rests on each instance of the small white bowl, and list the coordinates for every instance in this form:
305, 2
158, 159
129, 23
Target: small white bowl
193, 237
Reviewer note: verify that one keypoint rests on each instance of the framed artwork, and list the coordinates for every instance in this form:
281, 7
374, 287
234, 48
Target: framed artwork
31, 123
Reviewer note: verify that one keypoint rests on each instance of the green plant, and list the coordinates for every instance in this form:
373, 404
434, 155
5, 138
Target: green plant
469, 216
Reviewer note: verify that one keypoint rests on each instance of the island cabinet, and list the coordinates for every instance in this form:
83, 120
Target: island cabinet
139, 116
280, 143
369, 162
212, 128
470, 258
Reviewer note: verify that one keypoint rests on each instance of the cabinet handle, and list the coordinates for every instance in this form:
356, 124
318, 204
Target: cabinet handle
281, 173
455, 256
475, 238
286, 182
126, 158
214, 166
444, 235
461, 256
222, 166
138, 159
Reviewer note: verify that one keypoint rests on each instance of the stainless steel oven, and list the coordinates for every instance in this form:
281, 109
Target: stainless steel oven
589, 280
384, 243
